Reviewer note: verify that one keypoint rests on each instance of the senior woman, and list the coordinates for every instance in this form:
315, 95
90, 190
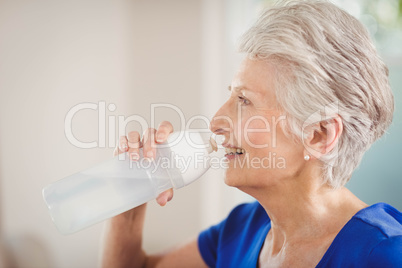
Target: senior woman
312, 74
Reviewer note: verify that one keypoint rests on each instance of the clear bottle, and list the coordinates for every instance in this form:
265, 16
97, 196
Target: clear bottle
117, 185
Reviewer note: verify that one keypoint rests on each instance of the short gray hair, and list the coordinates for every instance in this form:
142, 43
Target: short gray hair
324, 56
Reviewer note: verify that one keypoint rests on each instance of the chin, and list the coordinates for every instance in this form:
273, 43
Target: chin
229, 178
234, 178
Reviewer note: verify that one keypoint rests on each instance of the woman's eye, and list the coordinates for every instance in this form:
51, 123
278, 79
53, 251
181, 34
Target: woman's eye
243, 100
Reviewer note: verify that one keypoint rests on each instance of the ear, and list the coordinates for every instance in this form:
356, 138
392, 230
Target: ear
323, 137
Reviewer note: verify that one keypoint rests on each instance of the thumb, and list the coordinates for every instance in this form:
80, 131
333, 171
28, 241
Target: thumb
165, 197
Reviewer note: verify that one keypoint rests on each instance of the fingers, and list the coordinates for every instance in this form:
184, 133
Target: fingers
164, 129
134, 145
132, 142
148, 142
122, 147
165, 197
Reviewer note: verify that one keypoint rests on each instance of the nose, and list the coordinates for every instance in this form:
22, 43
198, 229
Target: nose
221, 123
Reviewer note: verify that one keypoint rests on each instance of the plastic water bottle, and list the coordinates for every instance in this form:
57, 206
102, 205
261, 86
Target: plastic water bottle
118, 185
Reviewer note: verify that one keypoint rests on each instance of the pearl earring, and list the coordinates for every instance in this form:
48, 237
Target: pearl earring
306, 157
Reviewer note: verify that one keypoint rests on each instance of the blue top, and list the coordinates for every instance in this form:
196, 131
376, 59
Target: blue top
371, 238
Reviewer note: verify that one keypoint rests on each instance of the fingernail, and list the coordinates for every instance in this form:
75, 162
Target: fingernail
150, 155
123, 146
135, 156
160, 137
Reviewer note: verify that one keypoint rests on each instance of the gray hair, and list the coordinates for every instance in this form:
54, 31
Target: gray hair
324, 58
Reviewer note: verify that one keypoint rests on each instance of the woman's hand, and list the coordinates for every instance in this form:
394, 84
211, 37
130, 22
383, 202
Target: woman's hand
122, 242
132, 144
122, 239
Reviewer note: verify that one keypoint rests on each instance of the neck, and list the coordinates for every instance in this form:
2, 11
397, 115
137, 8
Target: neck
305, 212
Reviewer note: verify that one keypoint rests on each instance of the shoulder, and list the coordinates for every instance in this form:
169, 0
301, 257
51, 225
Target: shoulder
383, 217
371, 238
387, 253
387, 223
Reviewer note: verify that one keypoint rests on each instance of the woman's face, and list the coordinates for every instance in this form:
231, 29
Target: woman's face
250, 122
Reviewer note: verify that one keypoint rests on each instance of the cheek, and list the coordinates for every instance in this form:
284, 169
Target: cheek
256, 133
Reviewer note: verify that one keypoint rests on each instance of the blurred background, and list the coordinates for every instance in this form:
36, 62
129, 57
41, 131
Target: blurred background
57, 54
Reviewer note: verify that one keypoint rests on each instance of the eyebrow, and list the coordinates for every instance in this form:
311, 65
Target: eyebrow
238, 88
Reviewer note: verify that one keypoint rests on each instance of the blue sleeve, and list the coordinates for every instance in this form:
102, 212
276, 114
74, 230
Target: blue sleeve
388, 253
208, 243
